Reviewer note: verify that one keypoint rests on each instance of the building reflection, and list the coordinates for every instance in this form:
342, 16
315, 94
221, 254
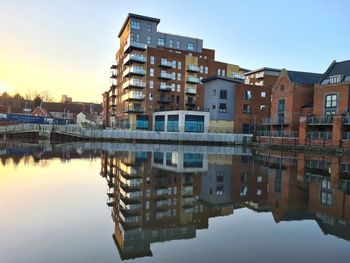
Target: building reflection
162, 196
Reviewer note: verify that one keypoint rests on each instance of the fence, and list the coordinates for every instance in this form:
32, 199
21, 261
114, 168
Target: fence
286, 134
319, 135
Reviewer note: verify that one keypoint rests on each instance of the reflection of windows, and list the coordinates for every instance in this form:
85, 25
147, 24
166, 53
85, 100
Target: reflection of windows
190, 46
278, 181
326, 194
244, 190
246, 108
135, 25
335, 79
220, 178
161, 41
244, 177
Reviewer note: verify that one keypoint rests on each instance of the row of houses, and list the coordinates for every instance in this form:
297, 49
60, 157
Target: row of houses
167, 82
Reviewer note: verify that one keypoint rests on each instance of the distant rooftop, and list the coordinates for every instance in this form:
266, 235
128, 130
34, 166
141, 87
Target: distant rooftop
341, 69
235, 80
262, 69
136, 16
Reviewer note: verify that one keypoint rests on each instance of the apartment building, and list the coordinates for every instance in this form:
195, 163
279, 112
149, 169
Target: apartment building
292, 91
262, 77
235, 106
155, 71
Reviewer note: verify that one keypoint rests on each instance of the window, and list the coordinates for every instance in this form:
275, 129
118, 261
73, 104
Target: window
206, 70
177, 99
223, 73
137, 38
201, 69
262, 107
246, 108
151, 84
152, 60
178, 44
330, 105
214, 92
149, 27
179, 64
213, 106
335, 79
170, 43
173, 87
151, 72
282, 87
223, 94
263, 94
173, 76
161, 41
247, 95
178, 87
190, 46
223, 108
135, 25
174, 64
326, 194
150, 96
178, 76
219, 72
281, 108
149, 39
131, 37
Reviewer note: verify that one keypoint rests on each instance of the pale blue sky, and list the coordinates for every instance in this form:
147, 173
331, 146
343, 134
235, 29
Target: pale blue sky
66, 46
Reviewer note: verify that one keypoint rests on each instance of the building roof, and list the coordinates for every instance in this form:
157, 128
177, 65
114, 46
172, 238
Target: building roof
42, 110
303, 77
337, 68
214, 77
262, 69
136, 16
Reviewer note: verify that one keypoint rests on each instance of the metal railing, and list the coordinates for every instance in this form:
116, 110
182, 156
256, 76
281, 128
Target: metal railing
287, 134
193, 68
319, 135
166, 75
319, 121
276, 121
193, 80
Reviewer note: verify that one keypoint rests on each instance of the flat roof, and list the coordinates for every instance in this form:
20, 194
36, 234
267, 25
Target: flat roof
136, 16
263, 69
214, 77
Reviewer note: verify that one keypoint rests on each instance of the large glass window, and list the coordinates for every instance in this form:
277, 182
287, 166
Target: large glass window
135, 25
326, 194
193, 160
142, 122
330, 105
247, 95
190, 46
281, 108
161, 41
170, 43
159, 123
194, 123
178, 44
173, 123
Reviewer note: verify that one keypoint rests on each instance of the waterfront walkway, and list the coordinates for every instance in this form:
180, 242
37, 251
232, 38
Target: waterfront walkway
80, 133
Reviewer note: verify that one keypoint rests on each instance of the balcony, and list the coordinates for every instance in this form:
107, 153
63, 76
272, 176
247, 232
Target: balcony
166, 63
134, 108
259, 75
191, 91
134, 70
134, 45
191, 102
166, 75
277, 121
133, 96
113, 75
165, 100
136, 83
193, 80
164, 87
319, 135
114, 64
134, 57
319, 121
192, 68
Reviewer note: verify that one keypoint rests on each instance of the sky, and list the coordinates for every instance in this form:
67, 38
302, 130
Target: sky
67, 46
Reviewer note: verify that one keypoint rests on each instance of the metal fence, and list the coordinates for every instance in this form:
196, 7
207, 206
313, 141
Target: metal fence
319, 135
286, 134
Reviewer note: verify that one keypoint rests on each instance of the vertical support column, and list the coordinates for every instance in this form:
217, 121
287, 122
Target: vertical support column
337, 131
335, 171
181, 121
302, 130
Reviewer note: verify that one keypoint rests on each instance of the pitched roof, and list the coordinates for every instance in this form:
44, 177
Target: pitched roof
303, 77
337, 68
42, 110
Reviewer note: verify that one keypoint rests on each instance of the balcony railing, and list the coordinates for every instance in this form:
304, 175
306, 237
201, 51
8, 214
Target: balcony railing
191, 91
164, 87
166, 63
134, 83
134, 70
134, 108
319, 135
319, 121
164, 99
133, 96
286, 134
193, 80
259, 75
133, 44
277, 121
166, 75
192, 68
135, 57
190, 102
114, 64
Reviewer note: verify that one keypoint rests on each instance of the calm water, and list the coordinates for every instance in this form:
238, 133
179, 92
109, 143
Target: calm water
144, 203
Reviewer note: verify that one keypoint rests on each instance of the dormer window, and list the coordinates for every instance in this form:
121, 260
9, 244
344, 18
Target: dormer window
335, 79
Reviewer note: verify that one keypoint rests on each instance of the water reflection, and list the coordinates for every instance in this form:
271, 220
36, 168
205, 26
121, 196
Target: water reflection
161, 196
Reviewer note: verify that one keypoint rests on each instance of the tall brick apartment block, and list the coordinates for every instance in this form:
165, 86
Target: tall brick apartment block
156, 71
291, 93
